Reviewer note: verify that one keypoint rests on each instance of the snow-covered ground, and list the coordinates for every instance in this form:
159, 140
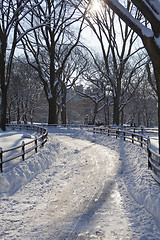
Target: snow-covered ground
80, 186
12, 138
154, 142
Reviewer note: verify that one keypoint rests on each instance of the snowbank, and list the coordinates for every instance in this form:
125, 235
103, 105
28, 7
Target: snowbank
51, 169
24, 172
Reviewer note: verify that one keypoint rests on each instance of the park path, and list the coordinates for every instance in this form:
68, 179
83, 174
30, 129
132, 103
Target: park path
89, 205
81, 191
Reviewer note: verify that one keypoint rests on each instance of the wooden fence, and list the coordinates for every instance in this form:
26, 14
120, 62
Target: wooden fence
25, 148
132, 136
67, 125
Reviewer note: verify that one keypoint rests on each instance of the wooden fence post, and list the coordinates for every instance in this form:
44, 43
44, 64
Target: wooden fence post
36, 145
132, 138
149, 156
141, 141
42, 140
149, 153
117, 133
148, 141
1, 159
23, 150
142, 129
124, 136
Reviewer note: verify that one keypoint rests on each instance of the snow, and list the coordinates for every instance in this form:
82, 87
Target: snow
154, 142
11, 139
138, 27
80, 185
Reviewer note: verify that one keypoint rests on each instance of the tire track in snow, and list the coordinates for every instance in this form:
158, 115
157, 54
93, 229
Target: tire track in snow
97, 211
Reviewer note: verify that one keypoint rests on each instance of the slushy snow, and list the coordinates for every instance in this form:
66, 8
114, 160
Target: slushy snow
80, 185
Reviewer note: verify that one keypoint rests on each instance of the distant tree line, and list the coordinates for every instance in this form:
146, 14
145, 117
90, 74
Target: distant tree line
87, 101
45, 65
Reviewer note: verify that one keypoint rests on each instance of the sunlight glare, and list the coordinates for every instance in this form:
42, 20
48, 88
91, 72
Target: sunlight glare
95, 6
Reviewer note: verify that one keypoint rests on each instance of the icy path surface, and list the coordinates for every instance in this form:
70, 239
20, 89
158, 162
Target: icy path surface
91, 202
81, 186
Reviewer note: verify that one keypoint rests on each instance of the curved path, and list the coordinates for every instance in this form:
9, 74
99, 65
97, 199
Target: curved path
89, 201
81, 196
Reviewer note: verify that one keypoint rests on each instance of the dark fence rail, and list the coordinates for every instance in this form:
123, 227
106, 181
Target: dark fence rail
74, 125
24, 148
132, 136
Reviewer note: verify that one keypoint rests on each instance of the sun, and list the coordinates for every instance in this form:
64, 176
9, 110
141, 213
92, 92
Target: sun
95, 6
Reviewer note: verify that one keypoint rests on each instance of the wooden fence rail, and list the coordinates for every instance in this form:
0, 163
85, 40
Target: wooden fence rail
132, 136
24, 148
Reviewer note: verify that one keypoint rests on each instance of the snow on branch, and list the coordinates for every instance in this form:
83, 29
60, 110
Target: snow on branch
149, 13
123, 13
155, 5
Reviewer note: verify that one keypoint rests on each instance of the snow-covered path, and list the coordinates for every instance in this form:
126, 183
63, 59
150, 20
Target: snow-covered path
80, 186
90, 197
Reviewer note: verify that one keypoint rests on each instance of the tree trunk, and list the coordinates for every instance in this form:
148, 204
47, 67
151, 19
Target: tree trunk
9, 113
95, 113
159, 113
3, 108
52, 118
63, 111
122, 116
18, 115
63, 114
116, 111
138, 119
25, 118
105, 116
108, 113
31, 116
117, 94
3, 84
154, 53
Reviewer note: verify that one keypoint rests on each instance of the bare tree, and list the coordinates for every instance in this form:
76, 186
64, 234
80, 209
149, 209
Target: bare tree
9, 19
151, 78
142, 110
24, 92
49, 47
72, 72
98, 86
12, 13
148, 30
117, 42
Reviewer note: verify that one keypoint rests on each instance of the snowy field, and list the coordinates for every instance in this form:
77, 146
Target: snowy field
10, 139
80, 186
